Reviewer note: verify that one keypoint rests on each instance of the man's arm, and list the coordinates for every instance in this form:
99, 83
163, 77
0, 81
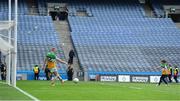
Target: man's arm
44, 64
58, 59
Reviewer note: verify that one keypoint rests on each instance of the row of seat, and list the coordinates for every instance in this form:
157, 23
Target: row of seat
22, 6
36, 36
29, 55
82, 22
97, 8
124, 41
126, 57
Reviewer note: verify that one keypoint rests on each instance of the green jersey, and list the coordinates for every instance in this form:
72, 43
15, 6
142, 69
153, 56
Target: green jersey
51, 56
164, 65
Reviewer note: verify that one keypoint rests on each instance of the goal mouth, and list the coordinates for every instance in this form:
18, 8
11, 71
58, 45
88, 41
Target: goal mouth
5, 27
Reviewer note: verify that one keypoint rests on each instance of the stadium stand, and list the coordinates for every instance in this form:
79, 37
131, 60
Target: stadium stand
120, 38
22, 8
36, 36
114, 37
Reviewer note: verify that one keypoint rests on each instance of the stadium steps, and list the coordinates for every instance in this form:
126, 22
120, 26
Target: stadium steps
33, 9
178, 25
148, 11
63, 29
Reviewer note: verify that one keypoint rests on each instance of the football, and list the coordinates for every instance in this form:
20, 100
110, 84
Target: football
75, 80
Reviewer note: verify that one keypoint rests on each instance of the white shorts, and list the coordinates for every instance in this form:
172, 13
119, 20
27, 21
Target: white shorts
52, 70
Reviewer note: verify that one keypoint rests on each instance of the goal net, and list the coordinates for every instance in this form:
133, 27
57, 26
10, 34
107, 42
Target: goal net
6, 49
5, 25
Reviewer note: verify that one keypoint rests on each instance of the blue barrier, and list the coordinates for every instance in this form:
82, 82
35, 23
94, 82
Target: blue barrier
124, 73
30, 75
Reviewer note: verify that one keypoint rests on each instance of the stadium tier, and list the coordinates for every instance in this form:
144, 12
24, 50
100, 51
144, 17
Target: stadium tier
119, 38
22, 7
114, 36
36, 36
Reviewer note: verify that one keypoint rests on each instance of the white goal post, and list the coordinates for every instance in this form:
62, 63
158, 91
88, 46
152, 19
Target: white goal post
8, 40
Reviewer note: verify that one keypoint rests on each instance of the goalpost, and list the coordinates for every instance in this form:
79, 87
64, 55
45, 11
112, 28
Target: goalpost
8, 46
8, 40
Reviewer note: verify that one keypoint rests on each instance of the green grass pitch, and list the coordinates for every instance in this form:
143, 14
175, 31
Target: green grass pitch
97, 91
10, 93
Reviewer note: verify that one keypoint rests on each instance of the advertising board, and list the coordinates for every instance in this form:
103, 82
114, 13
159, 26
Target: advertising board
108, 78
139, 78
154, 79
123, 78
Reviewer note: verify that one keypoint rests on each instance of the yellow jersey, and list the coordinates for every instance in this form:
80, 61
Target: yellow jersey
164, 71
51, 64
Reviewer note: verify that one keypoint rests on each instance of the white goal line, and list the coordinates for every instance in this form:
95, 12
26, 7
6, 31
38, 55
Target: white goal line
22, 91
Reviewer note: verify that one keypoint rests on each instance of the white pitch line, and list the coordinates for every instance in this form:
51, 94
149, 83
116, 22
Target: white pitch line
29, 95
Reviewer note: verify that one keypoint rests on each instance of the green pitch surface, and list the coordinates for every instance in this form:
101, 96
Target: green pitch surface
10, 93
100, 91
